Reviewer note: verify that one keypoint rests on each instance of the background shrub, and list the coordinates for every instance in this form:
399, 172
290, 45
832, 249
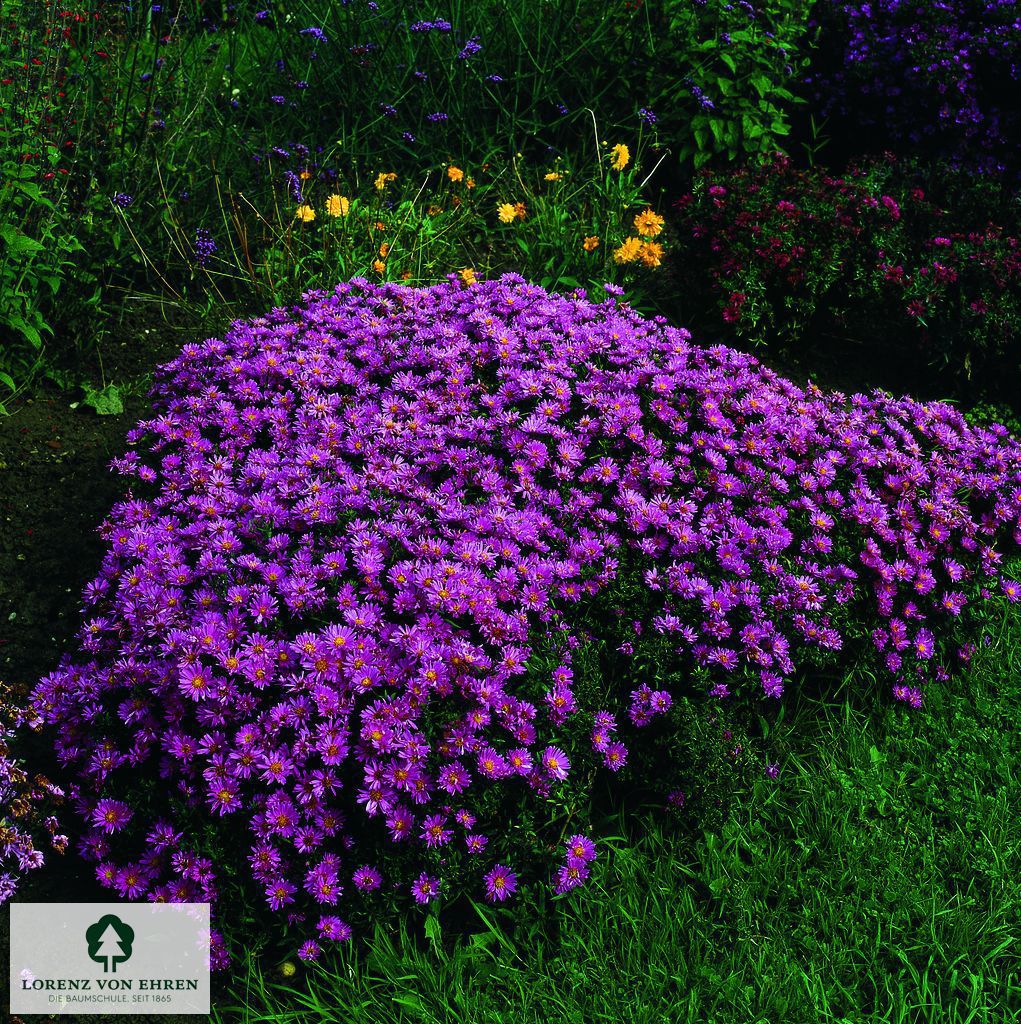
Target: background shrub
891, 274
933, 79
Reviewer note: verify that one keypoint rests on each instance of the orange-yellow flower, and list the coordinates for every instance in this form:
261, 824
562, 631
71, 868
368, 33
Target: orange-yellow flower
553, 176
648, 223
652, 253
506, 212
338, 206
590, 243
468, 275
470, 183
305, 212
384, 250
432, 209
629, 251
455, 174
405, 275
520, 210
379, 266
621, 156
382, 180
305, 175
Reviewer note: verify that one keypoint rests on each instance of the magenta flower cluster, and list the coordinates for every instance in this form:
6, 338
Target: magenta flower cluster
349, 521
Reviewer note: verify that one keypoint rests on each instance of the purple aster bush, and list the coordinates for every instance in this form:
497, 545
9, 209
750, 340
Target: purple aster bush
343, 634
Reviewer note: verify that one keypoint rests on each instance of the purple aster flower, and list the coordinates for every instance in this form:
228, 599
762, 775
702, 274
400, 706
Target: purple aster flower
570, 877
333, 928
111, 815
367, 878
501, 883
580, 850
476, 842
425, 888
615, 756
280, 893
555, 763
310, 950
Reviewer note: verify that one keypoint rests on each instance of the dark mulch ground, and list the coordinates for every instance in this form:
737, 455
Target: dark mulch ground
56, 489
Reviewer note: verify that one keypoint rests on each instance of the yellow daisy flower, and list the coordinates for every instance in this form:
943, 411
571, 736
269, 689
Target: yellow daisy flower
520, 210
384, 250
382, 180
590, 243
629, 251
338, 206
553, 176
506, 212
379, 266
455, 174
652, 253
305, 212
621, 156
470, 183
305, 175
648, 223
468, 276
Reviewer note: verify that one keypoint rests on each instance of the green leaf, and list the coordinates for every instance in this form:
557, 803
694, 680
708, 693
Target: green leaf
761, 84
106, 401
31, 189
434, 932
18, 242
7, 380
25, 329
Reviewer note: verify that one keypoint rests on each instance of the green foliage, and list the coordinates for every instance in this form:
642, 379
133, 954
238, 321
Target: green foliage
107, 401
44, 280
214, 119
572, 215
729, 70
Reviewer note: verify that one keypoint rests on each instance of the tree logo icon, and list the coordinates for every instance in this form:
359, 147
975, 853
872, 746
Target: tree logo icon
109, 942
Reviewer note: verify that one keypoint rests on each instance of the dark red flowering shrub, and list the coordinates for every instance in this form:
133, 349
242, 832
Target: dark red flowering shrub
347, 632
868, 268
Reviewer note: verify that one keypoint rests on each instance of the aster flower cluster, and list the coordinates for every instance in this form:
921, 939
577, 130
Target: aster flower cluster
25, 806
353, 522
